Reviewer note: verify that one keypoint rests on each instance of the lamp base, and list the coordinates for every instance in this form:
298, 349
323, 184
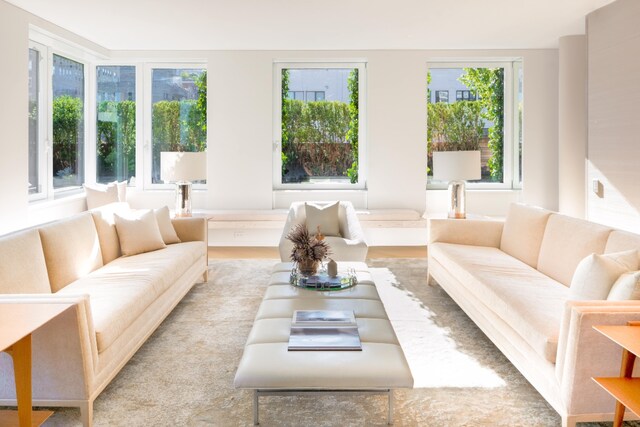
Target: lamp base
457, 202
183, 199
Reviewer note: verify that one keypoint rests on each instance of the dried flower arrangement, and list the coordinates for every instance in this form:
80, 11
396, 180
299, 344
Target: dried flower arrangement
306, 248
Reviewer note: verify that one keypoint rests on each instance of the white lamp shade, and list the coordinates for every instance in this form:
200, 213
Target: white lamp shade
456, 165
180, 166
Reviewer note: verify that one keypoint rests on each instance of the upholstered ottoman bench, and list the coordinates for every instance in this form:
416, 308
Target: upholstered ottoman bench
269, 368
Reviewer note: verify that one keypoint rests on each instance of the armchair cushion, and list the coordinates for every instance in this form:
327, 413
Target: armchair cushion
323, 218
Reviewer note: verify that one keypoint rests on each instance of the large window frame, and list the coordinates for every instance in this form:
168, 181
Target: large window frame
47, 46
511, 130
144, 150
42, 164
278, 66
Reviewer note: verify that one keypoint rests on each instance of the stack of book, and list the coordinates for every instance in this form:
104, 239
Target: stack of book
324, 330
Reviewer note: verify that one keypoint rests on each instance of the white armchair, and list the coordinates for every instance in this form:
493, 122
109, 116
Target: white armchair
351, 246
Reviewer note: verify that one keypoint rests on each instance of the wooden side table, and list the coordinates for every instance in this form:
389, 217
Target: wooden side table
625, 388
18, 321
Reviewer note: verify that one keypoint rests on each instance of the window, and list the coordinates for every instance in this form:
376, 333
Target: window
35, 152
299, 95
314, 95
178, 113
442, 96
115, 123
68, 122
486, 116
465, 95
320, 138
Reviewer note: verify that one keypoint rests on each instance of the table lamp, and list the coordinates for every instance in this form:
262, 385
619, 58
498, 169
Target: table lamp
456, 167
182, 168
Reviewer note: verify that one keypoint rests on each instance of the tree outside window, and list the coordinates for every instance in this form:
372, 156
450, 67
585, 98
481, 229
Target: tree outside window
472, 122
320, 132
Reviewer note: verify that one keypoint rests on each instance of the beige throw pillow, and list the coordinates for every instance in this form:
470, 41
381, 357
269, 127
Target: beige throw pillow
326, 218
138, 235
122, 190
596, 274
166, 227
627, 287
100, 195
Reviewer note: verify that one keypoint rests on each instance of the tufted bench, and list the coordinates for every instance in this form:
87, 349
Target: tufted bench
268, 368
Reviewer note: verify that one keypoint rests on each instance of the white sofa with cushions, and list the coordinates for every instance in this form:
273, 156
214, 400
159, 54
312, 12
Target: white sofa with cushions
345, 237
118, 300
514, 279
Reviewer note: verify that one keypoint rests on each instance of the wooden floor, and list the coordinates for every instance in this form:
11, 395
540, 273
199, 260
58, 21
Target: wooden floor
236, 252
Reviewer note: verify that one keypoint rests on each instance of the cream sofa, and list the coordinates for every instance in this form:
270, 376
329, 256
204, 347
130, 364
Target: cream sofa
351, 246
118, 301
512, 279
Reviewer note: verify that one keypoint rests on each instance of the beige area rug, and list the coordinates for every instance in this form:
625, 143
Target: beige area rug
183, 375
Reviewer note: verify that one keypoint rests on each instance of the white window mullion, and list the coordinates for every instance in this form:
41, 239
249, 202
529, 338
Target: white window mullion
90, 120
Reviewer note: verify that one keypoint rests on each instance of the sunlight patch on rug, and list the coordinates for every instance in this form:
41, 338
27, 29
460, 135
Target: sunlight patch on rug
433, 356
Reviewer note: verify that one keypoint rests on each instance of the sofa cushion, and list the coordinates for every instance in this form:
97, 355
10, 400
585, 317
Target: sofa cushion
138, 233
523, 232
167, 231
23, 269
626, 287
530, 302
121, 291
106, 228
596, 274
621, 241
71, 249
566, 242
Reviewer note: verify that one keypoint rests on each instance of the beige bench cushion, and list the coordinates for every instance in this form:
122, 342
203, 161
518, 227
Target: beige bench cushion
267, 363
566, 242
531, 303
71, 249
23, 269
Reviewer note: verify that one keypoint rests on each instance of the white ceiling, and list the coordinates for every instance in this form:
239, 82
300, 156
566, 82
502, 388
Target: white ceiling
310, 25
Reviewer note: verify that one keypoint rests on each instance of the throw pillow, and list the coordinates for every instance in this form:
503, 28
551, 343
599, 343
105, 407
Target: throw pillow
326, 218
122, 190
100, 195
166, 227
596, 274
627, 287
138, 235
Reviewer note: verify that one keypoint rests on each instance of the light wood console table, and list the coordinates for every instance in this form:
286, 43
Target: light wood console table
625, 388
18, 322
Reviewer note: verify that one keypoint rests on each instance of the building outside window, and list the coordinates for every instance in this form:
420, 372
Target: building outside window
178, 112
68, 122
320, 138
465, 95
442, 96
115, 123
486, 116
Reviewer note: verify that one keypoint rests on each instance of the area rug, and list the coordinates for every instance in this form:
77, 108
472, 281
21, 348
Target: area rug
183, 375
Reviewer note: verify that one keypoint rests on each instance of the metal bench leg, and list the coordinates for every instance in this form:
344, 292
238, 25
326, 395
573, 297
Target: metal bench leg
256, 402
390, 414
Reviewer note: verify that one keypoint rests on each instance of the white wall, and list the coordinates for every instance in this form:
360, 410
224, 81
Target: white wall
572, 140
240, 131
614, 111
